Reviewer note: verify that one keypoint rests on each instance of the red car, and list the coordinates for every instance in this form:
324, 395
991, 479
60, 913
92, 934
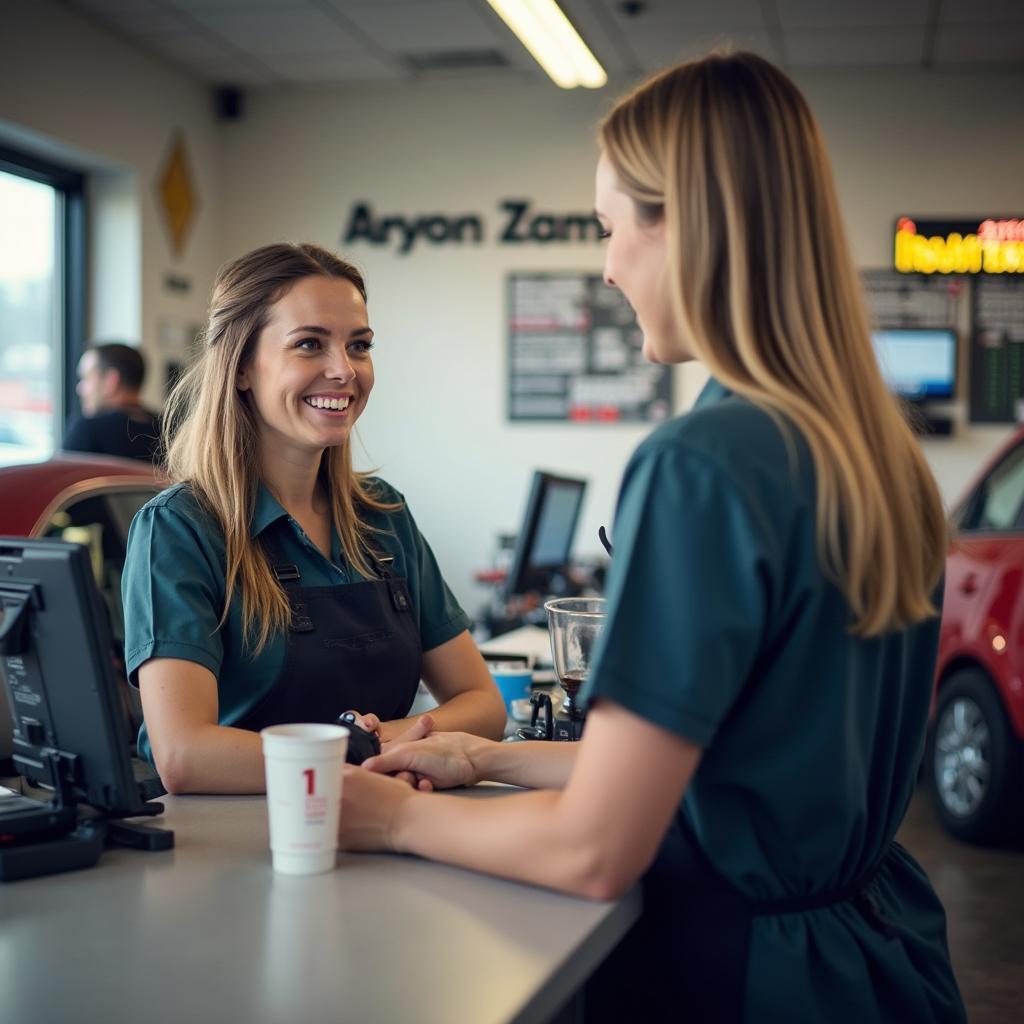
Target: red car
975, 756
89, 499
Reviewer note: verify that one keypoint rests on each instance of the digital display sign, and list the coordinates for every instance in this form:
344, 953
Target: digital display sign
983, 245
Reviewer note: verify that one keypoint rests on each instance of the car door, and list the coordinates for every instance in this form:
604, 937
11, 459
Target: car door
985, 567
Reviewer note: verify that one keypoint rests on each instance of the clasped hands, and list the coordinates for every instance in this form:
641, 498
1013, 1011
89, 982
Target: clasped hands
411, 764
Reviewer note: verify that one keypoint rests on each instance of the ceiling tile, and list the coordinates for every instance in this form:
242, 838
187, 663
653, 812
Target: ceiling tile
234, 5
151, 22
814, 14
959, 12
341, 67
417, 27
853, 47
266, 32
190, 46
710, 15
658, 49
102, 8
977, 44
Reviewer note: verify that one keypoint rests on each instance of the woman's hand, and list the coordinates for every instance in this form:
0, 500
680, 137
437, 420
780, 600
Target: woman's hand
440, 761
420, 728
368, 723
369, 805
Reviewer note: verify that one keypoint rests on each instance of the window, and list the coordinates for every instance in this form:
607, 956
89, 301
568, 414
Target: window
41, 308
997, 503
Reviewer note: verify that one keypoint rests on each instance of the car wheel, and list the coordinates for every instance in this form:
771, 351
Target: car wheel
974, 761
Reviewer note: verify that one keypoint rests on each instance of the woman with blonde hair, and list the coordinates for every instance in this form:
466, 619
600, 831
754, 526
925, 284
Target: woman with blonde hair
758, 702
272, 583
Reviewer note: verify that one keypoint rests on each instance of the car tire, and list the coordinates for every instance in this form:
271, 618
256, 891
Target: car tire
974, 762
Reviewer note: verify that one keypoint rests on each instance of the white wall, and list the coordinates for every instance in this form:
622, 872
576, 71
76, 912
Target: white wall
435, 425
85, 98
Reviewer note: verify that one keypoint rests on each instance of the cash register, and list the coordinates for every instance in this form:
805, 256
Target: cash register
70, 746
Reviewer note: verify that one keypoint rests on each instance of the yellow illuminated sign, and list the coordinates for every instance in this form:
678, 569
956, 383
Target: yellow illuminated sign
994, 247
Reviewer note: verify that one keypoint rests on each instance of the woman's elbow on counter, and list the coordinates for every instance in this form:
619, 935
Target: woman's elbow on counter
592, 871
605, 883
172, 767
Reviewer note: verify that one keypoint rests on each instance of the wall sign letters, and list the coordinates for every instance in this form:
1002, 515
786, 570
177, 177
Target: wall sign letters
518, 223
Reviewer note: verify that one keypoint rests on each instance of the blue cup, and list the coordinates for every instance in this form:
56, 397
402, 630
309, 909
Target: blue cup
513, 680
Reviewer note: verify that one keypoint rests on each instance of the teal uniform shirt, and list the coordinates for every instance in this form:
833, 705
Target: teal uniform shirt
174, 590
723, 629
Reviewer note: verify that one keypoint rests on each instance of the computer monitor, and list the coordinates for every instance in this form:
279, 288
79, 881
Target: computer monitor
69, 731
916, 363
544, 543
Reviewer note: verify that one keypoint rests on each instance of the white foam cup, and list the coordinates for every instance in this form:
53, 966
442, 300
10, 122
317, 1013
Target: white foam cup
303, 766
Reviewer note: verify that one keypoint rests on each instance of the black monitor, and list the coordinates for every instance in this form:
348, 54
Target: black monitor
69, 731
544, 543
917, 363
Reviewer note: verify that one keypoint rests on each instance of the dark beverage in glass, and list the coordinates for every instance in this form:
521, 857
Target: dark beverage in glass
574, 624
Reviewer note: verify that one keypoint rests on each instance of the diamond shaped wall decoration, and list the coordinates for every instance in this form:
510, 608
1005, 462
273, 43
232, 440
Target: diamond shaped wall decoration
177, 194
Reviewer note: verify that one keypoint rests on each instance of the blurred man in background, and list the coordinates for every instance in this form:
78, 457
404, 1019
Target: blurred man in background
114, 421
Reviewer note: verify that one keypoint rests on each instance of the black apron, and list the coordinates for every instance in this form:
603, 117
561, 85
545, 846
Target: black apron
686, 958
350, 646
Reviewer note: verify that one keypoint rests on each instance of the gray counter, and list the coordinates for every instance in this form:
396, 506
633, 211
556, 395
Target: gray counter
207, 932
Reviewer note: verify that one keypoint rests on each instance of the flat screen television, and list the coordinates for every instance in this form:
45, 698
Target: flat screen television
69, 731
544, 543
917, 363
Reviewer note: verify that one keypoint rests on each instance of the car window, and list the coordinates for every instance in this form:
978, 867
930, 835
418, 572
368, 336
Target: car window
997, 503
100, 520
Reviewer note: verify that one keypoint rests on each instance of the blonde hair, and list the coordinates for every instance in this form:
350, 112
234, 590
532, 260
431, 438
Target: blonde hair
766, 295
210, 433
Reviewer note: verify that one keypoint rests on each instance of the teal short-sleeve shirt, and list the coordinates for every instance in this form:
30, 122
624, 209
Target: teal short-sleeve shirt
723, 629
174, 590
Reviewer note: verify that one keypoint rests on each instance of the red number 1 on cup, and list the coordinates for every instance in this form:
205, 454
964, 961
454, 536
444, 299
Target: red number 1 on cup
310, 774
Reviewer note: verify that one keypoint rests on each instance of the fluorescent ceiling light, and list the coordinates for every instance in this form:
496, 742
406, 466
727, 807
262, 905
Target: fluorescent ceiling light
553, 43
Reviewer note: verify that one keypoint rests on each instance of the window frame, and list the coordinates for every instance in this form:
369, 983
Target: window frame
71, 268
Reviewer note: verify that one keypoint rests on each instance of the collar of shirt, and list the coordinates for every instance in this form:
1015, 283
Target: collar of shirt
711, 393
268, 510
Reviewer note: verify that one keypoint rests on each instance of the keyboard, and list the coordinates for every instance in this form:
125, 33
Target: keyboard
14, 805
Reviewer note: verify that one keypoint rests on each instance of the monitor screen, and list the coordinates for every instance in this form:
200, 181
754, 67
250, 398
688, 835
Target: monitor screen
56, 671
917, 363
544, 543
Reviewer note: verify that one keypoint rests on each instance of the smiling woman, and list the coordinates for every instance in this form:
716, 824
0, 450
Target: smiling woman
309, 383
273, 583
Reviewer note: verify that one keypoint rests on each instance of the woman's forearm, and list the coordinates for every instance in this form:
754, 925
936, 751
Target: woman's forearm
524, 837
479, 712
213, 759
533, 764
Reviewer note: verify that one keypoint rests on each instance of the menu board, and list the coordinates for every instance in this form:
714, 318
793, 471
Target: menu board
997, 350
899, 300
574, 354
